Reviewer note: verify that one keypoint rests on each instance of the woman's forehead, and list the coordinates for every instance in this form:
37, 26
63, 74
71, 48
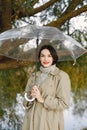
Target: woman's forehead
45, 51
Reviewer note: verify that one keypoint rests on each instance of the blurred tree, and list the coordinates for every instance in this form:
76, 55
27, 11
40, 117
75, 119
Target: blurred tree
53, 13
12, 81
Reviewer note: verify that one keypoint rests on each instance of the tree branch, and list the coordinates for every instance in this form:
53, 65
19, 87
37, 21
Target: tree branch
59, 22
72, 6
23, 12
41, 8
35, 1
7, 63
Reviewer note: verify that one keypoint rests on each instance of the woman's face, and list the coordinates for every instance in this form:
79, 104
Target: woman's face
46, 58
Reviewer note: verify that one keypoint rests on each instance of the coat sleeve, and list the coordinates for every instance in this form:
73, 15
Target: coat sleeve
62, 99
26, 103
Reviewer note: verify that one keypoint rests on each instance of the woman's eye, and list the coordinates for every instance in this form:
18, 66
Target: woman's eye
45, 55
42, 56
49, 56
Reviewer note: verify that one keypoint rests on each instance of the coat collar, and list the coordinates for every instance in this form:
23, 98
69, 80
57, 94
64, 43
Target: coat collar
56, 71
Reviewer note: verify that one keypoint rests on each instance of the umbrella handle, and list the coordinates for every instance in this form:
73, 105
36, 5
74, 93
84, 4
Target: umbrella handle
29, 100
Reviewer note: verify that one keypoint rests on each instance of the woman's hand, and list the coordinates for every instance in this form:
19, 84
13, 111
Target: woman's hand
35, 93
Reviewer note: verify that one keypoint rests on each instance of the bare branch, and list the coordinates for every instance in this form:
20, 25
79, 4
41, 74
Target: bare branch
43, 7
72, 5
22, 12
59, 22
35, 1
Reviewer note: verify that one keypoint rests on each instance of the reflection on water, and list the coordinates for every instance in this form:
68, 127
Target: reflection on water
75, 117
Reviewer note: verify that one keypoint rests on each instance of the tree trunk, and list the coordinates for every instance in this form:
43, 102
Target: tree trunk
5, 15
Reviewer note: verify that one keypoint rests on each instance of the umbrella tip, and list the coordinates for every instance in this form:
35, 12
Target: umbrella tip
74, 62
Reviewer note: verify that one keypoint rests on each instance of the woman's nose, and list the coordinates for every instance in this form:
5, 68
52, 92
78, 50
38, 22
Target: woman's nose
45, 58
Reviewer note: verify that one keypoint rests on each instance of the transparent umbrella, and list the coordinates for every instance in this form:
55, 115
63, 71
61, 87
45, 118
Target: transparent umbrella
23, 43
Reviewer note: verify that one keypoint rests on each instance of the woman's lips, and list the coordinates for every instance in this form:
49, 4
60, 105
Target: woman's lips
46, 62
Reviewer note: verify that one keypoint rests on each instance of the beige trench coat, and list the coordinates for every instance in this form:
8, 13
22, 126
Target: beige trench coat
49, 115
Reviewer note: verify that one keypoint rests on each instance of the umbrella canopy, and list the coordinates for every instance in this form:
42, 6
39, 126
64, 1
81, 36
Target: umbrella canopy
21, 43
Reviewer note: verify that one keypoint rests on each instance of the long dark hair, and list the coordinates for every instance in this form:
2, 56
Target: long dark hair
52, 52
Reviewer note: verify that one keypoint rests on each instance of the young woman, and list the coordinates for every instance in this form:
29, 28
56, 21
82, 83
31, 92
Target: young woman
51, 93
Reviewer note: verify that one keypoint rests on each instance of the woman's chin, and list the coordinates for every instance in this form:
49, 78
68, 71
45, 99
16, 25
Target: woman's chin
45, 66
